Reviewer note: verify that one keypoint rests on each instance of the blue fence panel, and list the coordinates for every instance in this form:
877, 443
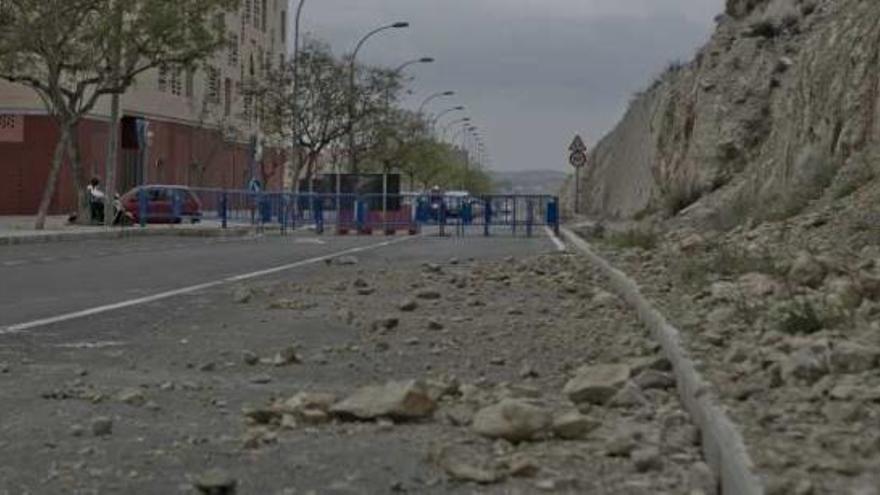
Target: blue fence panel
366, 213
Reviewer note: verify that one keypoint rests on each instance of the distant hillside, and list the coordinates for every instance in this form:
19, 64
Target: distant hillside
529, 182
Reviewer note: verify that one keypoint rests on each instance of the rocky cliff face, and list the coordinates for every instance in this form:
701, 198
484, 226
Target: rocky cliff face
778, 110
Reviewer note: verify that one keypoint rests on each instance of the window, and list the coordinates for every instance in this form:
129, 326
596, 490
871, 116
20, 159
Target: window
257, 13
176, 81
248, 107
162, 81
263, 19
227, 97
213, 75
190, 82
233, 49
284, 26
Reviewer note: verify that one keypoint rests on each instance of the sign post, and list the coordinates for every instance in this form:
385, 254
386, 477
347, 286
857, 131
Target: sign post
577, 159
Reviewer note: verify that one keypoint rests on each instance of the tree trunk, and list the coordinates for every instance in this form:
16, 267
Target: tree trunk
113, 135
110, 166
52, 181
79, 180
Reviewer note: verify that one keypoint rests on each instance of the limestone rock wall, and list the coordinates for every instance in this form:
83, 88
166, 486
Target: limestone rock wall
779, 107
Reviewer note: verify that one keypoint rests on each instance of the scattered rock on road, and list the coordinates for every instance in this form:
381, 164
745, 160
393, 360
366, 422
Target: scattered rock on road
242, 295
429, 294
398, 400
132, 396
466, 464
515, 420
288, 355
215, 482
408, 305
573, 425
249, 358
596, 384
102, 426
345, 261
386, 323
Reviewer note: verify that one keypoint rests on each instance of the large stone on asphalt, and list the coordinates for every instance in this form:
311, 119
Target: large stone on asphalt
429, 294
308, 407
463, 463
132, 396
242, 295
384, 324
400, 400
308, 400
653, 379
596, 384
573, 425
408, 305
345, 261
215, 482
515, 420
647, 459
286, 356
102, 426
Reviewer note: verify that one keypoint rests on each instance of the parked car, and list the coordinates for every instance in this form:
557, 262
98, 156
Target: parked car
164, 204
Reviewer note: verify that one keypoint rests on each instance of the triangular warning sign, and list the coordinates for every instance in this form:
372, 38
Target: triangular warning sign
577, 144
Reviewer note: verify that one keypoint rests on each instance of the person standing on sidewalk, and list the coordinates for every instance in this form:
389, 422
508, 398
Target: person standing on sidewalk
96, 200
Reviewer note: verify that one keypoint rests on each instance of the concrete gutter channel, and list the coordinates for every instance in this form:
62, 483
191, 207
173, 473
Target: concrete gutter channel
723, 445
6, 240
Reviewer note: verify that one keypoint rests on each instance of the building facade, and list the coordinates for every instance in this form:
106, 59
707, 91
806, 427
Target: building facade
194, 127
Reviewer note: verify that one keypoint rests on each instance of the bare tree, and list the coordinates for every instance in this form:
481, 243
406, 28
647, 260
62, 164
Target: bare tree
72, 53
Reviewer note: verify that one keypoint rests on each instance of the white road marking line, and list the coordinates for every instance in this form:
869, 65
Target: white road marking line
14, 263
309, 241
556, 240
90, 345
21, 327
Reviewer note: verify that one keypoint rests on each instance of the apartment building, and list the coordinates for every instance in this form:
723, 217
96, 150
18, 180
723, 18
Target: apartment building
196, 127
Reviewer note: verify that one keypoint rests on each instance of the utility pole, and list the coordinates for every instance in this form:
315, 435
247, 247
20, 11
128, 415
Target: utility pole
295, 158
352, 88
113, 138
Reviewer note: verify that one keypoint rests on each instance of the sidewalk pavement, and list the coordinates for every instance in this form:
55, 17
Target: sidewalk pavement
20, 230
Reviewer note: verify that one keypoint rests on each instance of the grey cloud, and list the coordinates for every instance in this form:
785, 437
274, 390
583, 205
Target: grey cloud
531, 74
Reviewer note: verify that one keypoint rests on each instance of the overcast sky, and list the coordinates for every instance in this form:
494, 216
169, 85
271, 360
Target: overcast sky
531, 72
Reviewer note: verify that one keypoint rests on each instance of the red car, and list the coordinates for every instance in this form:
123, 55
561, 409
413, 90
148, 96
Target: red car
164, 204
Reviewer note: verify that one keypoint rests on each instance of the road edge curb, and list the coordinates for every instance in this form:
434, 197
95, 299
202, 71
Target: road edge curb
51, 237
723, 445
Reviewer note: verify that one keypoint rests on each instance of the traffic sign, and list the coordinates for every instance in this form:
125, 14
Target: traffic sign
577, 144
577, 159
255, 186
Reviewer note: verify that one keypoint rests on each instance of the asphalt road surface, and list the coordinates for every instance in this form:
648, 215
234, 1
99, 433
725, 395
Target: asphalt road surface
45, 281
128, 367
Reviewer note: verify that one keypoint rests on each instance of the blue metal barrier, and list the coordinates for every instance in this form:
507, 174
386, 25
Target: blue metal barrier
430, 213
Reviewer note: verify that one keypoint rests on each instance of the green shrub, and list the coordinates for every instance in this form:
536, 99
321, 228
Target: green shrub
797, 317
635, 238
764, 28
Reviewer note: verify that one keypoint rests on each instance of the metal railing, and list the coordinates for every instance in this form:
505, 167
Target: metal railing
347, 213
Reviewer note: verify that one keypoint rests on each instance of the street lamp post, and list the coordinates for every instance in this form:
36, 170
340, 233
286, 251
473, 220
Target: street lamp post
433, 122
423, 60
294, 151
386, 168
351, 98
434, 97
454, 122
